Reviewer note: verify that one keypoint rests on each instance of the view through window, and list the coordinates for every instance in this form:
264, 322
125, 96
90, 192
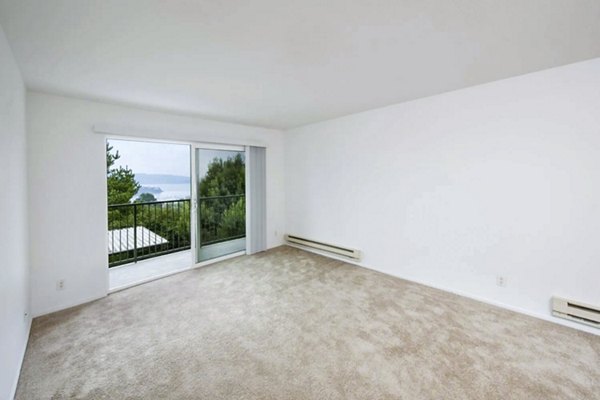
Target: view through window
149, 190
221, 191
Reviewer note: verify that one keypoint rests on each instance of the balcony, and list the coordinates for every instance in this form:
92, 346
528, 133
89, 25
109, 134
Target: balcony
127, 275
150, 240
140, 231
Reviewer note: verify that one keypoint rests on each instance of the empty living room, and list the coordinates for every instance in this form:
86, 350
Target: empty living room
275, 199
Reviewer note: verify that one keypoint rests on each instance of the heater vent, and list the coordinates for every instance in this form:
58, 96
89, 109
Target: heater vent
576, 311
330, 248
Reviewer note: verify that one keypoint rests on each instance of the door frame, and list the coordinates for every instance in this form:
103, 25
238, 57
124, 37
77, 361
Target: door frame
193, 145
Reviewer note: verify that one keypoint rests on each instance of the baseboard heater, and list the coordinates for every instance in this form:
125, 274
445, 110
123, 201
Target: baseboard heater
576, 311
330, 248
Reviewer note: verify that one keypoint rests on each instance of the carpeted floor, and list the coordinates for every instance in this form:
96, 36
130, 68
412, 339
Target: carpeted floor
288, 324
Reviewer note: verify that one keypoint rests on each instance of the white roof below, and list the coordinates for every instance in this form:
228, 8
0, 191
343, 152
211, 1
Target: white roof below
286, 63
123, 239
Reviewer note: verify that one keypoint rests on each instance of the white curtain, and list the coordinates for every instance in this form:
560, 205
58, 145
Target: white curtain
256, 199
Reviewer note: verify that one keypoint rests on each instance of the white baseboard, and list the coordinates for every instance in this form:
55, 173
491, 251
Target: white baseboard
509, 307
549, 317
16, 382
51, 310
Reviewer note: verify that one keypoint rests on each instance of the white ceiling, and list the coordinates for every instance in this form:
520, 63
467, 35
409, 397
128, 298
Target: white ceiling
285, 63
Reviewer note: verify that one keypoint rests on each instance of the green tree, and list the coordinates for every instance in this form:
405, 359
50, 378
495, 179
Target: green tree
224, 177
222, 218
145, 198
233, 221
121, 183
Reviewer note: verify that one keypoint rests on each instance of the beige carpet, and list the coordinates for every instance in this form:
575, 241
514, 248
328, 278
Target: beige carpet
287, 324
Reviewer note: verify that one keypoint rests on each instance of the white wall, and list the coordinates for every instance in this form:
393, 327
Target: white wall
68, 187
456, 189
14, 269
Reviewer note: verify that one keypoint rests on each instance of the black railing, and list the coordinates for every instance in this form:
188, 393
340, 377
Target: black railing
222, 218
139, 231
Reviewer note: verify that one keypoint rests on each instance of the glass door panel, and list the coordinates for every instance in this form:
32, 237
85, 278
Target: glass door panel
220, 202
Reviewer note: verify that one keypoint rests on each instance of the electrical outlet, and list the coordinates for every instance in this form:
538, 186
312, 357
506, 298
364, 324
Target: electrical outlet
60, 284
501, 281
275, 233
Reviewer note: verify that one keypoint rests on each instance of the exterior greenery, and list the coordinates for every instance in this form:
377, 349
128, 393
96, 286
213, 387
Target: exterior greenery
222, 202
121, 183
145, 198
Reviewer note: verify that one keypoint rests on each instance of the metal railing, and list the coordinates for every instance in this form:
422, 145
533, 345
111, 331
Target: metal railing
139, 231
221, 218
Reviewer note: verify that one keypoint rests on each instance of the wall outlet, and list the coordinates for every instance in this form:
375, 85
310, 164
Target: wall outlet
501, 281
60, 284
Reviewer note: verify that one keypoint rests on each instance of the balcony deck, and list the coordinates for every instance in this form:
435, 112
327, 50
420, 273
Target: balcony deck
133, 274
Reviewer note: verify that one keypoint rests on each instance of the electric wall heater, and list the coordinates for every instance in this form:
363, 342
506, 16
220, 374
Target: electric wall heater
326, 247
576, 311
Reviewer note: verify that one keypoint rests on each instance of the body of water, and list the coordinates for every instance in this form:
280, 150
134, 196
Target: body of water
170, 191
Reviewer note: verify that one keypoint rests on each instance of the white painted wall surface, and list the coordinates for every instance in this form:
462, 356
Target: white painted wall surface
456, 189
68, 187
14, 266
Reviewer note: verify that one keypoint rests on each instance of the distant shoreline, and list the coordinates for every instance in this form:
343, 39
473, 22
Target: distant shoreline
166, 191
155, 179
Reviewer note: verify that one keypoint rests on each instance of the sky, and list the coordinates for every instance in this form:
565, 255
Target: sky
153, 157
161, 158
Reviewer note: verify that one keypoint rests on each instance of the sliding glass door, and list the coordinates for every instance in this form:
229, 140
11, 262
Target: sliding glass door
219, 201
